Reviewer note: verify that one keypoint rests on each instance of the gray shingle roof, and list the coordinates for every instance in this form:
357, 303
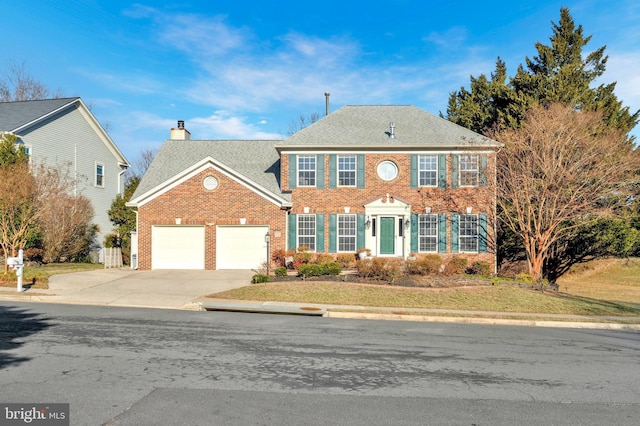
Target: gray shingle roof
256, 160
14, 115
369, 125
359, 127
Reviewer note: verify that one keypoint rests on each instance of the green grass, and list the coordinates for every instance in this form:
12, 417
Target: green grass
38, 276
603, 288
614, 280
501, 298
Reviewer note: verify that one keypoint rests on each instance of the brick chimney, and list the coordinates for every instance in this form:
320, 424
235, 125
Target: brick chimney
180, 133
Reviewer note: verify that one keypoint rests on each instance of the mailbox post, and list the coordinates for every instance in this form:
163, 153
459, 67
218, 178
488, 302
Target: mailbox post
17, 264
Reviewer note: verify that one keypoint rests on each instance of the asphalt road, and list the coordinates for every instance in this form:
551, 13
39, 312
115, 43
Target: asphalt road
127, 366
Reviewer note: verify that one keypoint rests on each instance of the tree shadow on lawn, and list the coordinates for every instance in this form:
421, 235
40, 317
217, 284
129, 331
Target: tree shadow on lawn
15, 325
607, 306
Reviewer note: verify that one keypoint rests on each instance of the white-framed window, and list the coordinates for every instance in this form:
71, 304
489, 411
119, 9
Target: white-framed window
306, 170
347, 231
307, 231
99, 181
468, 233
428, 170
428, 233
346, 170
469, 171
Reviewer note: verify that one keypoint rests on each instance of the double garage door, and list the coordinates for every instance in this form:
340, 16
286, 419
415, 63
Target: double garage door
183, 247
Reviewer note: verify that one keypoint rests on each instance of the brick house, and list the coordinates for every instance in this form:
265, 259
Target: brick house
392, 179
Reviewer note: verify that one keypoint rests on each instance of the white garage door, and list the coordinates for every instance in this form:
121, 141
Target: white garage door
177, 247
240, 247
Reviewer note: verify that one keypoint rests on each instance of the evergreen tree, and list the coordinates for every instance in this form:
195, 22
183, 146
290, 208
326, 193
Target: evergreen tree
559, 73
563, 73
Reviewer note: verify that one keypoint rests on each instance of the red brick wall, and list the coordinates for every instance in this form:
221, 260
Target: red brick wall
195, 205
441, 200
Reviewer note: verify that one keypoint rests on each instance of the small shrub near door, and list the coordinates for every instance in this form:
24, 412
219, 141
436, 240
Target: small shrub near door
379, 268
456, 266
424, 265
260, 278
346, 260
280, 271
480, 267
316, 270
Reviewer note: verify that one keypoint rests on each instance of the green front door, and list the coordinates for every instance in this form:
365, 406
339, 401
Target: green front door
387, 235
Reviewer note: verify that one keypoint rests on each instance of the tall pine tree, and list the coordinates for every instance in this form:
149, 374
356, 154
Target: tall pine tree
560, 73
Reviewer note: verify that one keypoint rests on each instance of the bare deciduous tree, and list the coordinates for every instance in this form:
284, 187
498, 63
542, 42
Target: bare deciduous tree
18, 207
142, 162
302, 122
64, 220
560, 170
18, 85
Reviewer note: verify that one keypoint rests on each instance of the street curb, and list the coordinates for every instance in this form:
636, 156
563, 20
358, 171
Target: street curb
486, 321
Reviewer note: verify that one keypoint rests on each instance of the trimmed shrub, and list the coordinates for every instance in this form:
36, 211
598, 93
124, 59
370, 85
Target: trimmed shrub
322, 258
332, 268
379, 268
260, 278
424, 265
302, 257
480, 267
346, 260
280, 271
456, 266
310, 270
315, 270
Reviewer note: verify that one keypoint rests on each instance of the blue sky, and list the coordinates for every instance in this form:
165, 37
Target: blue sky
247, 69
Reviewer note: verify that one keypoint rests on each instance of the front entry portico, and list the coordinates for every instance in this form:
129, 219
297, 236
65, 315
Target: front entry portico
387, 232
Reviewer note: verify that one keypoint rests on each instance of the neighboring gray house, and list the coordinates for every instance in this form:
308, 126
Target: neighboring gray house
63, 133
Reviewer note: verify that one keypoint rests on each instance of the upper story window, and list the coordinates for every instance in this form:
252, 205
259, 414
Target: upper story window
347, 232
469, 170
468, 233
99, 175
307, 231
346, 170
428, 170
307, 170
428, 233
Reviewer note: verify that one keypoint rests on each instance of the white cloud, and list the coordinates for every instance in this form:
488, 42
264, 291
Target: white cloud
226, 125
623, 69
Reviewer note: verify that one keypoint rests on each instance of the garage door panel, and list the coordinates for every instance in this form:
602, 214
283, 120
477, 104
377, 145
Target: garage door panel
240, 247
177, 247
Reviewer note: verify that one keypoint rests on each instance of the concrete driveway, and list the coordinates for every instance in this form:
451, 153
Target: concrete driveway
169, 289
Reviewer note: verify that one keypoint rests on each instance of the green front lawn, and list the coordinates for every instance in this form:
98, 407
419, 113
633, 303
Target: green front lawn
500, 298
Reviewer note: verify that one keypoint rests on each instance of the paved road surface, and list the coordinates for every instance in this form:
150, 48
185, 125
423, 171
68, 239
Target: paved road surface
131, 366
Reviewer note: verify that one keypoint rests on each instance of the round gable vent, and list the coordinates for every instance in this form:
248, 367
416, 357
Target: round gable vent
210, 183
